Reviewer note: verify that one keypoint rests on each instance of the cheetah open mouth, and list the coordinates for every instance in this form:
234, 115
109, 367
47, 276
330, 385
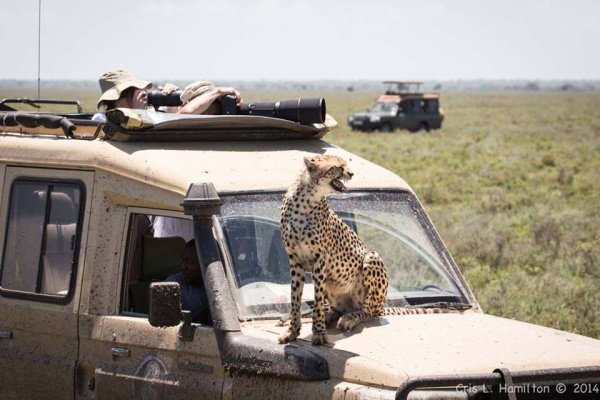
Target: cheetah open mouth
338, 185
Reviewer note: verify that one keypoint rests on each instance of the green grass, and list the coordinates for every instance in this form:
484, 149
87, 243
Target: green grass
511, 182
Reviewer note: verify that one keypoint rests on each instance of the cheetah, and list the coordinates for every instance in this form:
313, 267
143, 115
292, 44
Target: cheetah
349, 277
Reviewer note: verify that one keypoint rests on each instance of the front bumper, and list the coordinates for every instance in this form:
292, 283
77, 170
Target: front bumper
572, 383
363, 124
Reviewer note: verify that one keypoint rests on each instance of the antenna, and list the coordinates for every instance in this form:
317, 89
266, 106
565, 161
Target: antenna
39, 42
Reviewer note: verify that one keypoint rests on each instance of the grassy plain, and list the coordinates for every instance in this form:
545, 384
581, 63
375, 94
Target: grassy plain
511, 182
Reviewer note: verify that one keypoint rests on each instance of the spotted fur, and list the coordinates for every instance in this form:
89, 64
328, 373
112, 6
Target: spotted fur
349, 277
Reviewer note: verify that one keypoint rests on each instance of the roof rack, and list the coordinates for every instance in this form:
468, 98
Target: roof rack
36, 103
49, 124
404, 82
402, 87
161, 127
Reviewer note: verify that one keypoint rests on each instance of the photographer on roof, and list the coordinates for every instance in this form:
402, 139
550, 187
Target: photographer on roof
120, 89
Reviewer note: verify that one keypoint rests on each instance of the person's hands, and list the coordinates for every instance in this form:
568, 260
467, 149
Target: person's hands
224, 91
168, 88
139, 99
205, 103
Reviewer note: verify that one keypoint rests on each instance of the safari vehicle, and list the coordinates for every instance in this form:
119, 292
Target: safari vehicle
401, 107
84, 312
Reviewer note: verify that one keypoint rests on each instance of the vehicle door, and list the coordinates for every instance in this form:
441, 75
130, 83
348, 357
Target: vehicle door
42, 215
409, 114
128, 358
432, 112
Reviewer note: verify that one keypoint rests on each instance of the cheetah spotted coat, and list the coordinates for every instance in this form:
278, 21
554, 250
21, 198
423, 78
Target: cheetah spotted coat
349, 277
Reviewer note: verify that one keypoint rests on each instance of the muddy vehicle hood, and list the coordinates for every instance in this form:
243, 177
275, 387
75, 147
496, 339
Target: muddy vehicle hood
390, 350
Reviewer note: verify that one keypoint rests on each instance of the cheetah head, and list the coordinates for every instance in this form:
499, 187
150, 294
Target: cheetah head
328, 172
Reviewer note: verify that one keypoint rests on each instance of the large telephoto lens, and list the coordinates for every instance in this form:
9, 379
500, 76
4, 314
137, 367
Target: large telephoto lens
303, 110
157, 99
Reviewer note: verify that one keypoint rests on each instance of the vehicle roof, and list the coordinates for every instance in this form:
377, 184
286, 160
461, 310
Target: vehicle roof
420, 96
230, 165
396, 98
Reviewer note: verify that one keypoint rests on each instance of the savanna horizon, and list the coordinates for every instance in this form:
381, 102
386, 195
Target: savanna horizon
510, 182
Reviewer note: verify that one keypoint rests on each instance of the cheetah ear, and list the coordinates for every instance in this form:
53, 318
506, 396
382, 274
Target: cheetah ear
310, 164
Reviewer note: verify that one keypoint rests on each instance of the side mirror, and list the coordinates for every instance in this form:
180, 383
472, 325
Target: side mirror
164, 309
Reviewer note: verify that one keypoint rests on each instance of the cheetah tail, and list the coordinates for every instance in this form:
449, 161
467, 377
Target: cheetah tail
416, 310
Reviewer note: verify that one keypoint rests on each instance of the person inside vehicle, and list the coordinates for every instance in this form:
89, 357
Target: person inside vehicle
191, 284
120, 89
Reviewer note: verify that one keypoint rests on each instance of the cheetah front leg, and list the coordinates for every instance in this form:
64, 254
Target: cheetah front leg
319, 327
375, 283
297, 287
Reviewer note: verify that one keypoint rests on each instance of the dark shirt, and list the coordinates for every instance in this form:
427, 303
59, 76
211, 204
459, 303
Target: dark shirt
193, 298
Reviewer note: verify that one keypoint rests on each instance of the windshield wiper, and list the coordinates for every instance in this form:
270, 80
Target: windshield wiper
438, 304
305, 314
447, 305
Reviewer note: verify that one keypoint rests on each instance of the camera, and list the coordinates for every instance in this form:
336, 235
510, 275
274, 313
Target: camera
305, 110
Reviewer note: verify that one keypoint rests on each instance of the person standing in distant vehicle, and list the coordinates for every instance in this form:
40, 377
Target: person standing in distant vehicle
120, 89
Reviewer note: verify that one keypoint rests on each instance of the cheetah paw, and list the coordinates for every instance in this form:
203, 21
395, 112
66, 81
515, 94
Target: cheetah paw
346, 323
288, 336
320, 338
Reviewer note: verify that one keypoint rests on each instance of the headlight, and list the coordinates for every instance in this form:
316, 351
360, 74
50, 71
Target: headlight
375, 118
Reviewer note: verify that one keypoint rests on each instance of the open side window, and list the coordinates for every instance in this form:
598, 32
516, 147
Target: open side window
43, 232
153, 254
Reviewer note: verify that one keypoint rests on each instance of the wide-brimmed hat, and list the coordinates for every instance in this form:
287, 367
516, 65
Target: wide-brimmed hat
195, 89
112, 84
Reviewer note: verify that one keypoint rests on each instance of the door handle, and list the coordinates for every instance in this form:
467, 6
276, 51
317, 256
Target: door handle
6, 334
120, 351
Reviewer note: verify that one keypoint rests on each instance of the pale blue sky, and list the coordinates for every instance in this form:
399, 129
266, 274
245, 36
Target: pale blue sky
302, 39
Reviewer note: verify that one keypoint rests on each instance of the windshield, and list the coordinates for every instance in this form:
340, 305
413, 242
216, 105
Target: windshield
420, 270
384, 107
